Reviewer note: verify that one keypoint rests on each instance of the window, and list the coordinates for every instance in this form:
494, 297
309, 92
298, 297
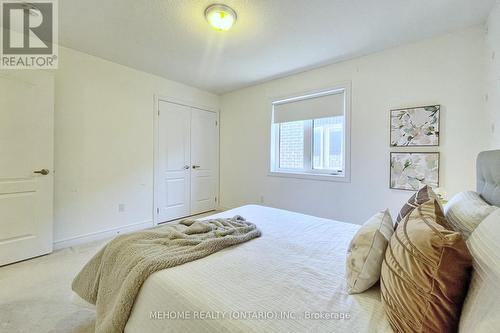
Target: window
328, 144
309, 136
291, 145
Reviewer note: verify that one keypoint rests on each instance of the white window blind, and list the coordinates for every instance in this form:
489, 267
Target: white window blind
311, 107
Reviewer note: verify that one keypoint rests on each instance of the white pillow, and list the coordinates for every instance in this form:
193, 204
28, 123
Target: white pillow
366, 252
482, 304
466, 210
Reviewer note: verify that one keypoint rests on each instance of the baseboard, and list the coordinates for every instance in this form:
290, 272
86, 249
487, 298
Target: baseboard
99, 235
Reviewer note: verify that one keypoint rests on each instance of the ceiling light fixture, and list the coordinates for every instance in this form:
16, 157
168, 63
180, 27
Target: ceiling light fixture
220, 17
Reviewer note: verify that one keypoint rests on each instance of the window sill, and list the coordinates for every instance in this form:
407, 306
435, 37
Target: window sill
310, 176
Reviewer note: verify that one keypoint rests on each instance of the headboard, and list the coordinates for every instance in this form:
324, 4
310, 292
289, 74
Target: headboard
488, 176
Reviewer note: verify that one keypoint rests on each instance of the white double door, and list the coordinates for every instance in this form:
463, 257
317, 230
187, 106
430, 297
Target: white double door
187, 166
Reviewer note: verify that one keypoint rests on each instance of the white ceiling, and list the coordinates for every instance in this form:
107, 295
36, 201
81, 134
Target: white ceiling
272, 38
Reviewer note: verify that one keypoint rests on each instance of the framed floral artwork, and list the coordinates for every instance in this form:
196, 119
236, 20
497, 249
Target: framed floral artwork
411, 171
418, 126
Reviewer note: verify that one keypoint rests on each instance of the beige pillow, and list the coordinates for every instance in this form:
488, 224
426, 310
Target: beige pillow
466, 210
482, 304
425, 273
366, 252
423, 196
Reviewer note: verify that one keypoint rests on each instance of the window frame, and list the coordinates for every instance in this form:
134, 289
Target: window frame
308, 172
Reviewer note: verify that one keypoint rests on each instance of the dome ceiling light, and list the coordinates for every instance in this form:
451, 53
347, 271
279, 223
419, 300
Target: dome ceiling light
220, 17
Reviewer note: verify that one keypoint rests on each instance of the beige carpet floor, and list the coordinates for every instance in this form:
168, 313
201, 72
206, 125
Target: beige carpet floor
36, 296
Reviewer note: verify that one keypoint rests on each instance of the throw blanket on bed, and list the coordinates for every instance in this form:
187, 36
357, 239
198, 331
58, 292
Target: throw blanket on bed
113, 277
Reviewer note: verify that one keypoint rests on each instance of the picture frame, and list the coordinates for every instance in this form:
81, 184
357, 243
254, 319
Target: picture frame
412, 170
415, 126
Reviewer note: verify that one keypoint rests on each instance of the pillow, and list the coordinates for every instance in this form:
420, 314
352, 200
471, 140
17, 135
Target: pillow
424, 196
482, 305
425, 273
466, 210
366, 252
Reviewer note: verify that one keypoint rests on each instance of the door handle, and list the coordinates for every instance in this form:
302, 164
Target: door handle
186, 167
196, 166
44, 172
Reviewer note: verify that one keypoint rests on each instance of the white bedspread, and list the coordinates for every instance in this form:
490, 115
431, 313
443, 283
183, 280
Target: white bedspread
276, 282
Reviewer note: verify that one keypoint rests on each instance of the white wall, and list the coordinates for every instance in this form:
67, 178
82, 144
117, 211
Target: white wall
448, 70
104, 143
493, 75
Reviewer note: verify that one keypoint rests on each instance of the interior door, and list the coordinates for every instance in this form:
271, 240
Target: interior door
204, 134
26, 164
173, 161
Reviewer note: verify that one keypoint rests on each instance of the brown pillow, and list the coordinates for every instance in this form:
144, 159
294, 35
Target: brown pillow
425, 273
424, 196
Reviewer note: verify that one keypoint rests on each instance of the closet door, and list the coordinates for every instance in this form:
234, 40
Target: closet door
174, 168
204, 142
26, 164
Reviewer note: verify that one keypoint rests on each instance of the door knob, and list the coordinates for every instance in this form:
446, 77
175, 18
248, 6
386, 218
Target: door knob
44, 172
196, 166
186, 167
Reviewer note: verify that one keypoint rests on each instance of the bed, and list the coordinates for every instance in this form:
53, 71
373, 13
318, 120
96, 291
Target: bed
290, 281
293, 282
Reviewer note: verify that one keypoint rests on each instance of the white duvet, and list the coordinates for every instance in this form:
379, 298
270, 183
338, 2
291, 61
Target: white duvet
290, 281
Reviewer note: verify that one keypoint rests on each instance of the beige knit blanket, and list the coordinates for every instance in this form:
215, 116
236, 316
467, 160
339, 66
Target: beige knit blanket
112, 278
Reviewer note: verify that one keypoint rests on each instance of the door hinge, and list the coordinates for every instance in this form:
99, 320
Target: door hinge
216, 123
157, 210
158, 112
215, 199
